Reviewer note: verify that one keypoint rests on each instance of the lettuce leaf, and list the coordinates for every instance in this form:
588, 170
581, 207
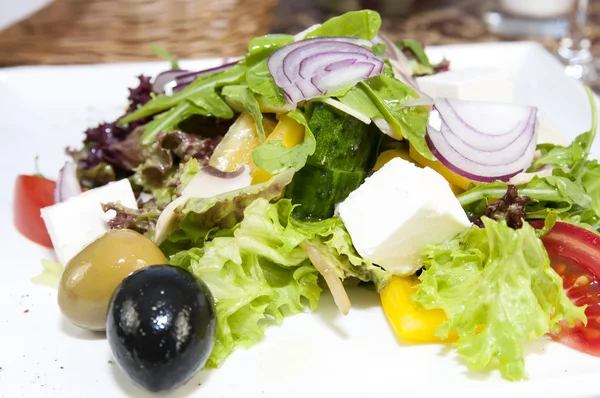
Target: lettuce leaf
261, 271
197, 220
274, 158
363, 24
256, 277
331, 235
498, 290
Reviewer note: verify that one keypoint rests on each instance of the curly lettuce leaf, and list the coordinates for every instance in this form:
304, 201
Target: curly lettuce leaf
363, 24
258, 275
274, 158
331, 235
197, 219
498, 290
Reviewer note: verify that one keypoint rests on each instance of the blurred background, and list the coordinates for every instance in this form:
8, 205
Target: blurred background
96, 31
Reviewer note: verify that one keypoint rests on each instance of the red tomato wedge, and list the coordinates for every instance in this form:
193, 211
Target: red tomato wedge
31, 195
575, 256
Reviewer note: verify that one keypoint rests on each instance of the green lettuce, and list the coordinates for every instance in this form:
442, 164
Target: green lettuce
331, 236
273, 157
255, 276
384, 97
199, 219
498, 290
261, 271
363, 24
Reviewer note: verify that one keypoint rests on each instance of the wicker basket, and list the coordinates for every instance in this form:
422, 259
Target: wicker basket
93, 31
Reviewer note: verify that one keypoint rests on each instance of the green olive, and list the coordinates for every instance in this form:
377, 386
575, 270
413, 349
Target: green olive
91, 277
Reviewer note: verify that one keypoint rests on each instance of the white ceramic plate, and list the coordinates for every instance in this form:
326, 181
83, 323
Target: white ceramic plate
44, 109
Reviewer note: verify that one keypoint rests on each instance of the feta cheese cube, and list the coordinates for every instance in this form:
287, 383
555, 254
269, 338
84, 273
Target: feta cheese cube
469, 84
398, 211
79, 221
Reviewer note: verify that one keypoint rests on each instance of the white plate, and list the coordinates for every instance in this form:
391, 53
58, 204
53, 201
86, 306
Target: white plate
44, 109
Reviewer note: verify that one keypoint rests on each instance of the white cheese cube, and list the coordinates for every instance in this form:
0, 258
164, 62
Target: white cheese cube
398, 211
469, 84
80, 220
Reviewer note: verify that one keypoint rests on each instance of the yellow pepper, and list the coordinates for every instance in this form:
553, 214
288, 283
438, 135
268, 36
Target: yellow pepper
459, 182
410, 321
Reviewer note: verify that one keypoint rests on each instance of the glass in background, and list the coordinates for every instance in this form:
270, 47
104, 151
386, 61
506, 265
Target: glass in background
514, 18
574, 50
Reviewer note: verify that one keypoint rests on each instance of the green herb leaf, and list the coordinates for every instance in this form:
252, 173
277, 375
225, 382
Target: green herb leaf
233, 75
498, 290
274, 158
388, 95
363, 24
243, 97
260, 81
166, 55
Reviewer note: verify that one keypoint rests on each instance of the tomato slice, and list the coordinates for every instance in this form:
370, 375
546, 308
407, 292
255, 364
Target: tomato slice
575, 256
31, 195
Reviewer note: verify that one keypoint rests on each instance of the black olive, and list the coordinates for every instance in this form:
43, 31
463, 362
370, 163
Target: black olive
161, 326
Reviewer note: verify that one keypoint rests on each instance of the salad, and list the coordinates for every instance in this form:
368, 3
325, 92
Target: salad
225, 200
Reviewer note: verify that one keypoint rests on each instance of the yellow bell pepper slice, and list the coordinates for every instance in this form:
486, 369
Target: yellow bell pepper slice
410, 321
453, 178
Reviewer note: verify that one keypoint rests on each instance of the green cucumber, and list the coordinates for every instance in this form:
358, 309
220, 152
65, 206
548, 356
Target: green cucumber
318, 190
343, 142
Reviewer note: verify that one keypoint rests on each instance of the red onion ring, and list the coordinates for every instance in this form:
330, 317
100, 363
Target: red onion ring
309, 68
482, 141
67, 184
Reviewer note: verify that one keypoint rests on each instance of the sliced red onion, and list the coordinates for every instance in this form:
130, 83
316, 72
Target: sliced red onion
184, 80
313, 67
213, 171
158, 86
67, 184
480, 140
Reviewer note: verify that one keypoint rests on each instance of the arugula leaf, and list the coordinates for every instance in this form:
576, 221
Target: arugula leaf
555, 193
388, 95
262, 47
166, 55
363, 24
417, 49
233, 75
168, 121
498, 290
243, 97
274, 158
260, 81
578, 167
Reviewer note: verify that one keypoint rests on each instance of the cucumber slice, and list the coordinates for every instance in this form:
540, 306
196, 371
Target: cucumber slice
318, 190
343, 142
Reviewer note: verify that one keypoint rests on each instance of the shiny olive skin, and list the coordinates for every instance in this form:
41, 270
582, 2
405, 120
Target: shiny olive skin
161, 327
91, 277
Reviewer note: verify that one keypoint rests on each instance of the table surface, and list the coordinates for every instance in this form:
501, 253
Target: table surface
433, 22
